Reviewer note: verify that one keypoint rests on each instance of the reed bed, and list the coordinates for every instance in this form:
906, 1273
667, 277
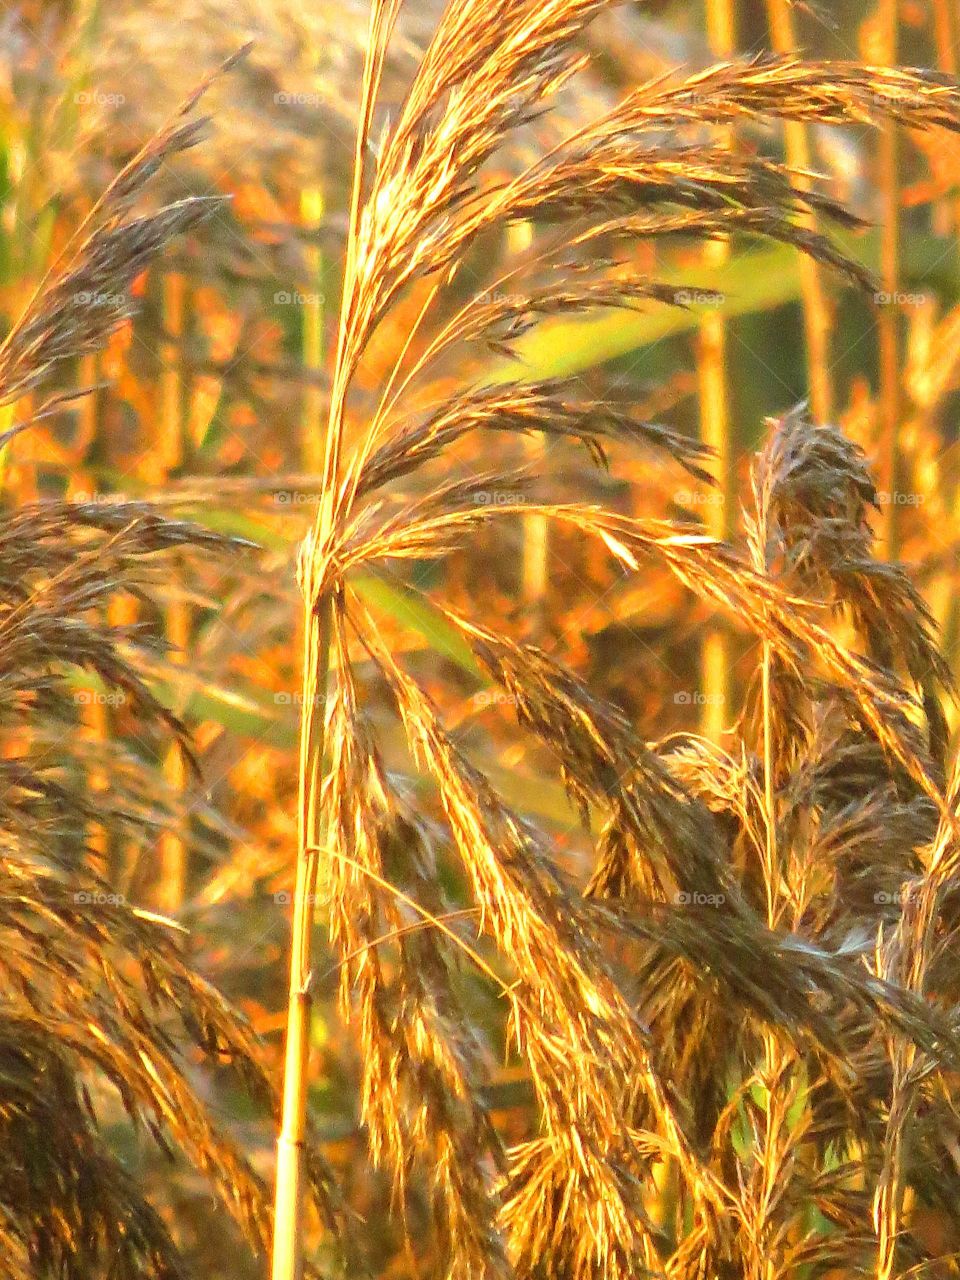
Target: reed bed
555, 986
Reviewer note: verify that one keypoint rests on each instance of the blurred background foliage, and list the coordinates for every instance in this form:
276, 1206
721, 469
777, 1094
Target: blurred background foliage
211, 400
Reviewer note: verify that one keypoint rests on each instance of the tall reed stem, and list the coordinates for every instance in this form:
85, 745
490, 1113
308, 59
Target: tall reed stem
889, 317
311, 436
7, 419
315, 638
906, 960
944, 603
715, 423
536, 528
817, 316
287, 1261
945, 34
288, 1205
773, 1059
97, 714
173, 850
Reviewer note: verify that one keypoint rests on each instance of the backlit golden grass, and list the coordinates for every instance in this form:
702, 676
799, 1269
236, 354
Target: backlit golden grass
445, 930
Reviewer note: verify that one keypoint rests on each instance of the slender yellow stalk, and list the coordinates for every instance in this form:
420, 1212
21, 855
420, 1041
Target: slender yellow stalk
123, 856
772, 870
889, 315
944, 595
817, 316
945, 34
906, 960
173, 851
715, 423
311, 436
536, 529
287, 1258
7, 419
288, 1210
773, 1058
96, 716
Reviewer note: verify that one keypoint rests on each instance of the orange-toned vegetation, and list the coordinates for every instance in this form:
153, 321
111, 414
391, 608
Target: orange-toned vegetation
376, 605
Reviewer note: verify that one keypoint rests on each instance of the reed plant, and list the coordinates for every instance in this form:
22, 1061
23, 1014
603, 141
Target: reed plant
105, 1022
750, 983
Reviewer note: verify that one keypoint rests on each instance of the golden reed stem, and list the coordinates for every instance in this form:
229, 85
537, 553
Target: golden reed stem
173, 850
715, 425
817, 312
889, 314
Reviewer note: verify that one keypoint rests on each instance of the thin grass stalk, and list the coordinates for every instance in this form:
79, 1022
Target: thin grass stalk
312, 205
288, 1224
287, 1261
311, 216
889, 315
17, 486
813, 289
906, 961
945, 606
536, 528
123, 864
173, 849
27, 243
945, 35
715, 423
772, 1055
97, 715
771, 871
7, 419
287, 1253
